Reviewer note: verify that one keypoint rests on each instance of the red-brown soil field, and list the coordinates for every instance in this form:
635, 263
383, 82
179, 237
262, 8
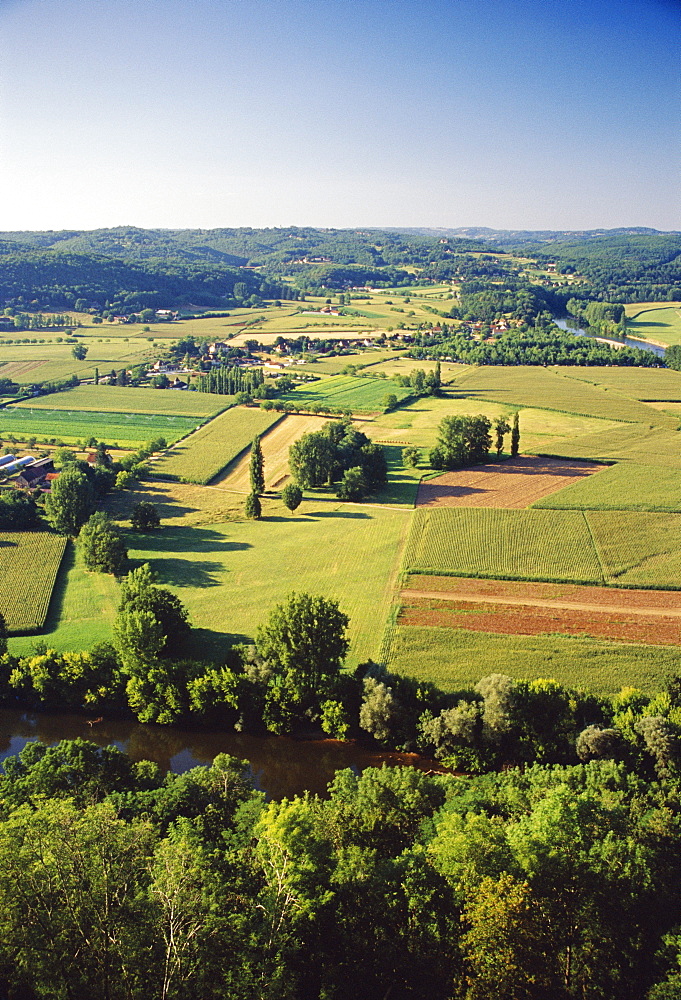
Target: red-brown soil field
515, 608
515, 483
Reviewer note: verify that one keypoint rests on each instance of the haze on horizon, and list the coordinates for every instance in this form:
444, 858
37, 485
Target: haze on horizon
511, 114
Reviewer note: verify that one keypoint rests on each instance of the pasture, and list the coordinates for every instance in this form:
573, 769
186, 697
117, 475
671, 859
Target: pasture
346, 392
128, 399
122, 429
203, 455
29, 563
231, 574
455, 659
659, 322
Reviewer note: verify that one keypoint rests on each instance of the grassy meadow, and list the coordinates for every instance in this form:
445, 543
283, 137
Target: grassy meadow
659, 322
230, 574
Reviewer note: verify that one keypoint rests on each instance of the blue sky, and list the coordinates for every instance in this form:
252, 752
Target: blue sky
200, 113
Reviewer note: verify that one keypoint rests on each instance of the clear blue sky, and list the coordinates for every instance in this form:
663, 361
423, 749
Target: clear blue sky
524, 114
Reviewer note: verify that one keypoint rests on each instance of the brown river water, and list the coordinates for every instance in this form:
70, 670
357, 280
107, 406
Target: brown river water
281, 766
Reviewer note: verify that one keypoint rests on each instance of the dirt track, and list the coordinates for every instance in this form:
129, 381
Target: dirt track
508, 485
275, 445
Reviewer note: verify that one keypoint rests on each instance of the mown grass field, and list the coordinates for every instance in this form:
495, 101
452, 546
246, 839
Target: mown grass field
625, 486
550, 389
356, 393
455, 659
29, 562
230, 575
656, 321
603, 547
657, 384
28, 363
203, 455
120, 399
70, 426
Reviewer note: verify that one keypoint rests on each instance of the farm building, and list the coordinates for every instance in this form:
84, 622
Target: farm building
35, 475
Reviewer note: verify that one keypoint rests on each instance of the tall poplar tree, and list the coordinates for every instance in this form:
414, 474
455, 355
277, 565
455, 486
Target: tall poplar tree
257, 468
515, 434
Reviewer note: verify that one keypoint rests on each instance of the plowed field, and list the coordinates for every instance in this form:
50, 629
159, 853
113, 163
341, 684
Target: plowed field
510, 485
534, 608
275, 445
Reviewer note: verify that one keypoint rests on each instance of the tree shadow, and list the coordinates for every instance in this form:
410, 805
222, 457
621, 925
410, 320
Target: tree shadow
56, 605
208, 644
190, 540
183, 572
340, 513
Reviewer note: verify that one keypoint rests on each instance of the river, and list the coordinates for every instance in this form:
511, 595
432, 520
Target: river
281, 766
643, 345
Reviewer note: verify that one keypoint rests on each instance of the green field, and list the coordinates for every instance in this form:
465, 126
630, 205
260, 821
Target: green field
115, 428
507, 544
657, 384
230, 575
625, 486
621, 548
455, 659
550, 389
638, 550
346, 392
201, 456
29, 562
657, 322
119, 399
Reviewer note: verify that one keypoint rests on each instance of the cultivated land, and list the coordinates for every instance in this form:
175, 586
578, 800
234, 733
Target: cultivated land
361, 394
74, 425
551, 389
29, 562
514, 484
614, 530
203, 455
120, 399
456, 658
275, 447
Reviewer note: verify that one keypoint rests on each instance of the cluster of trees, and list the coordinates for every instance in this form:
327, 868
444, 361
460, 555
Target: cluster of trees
607, 319
339, 452
119, 882
229, 380
536, 346
467, 441
38, 321
423, 383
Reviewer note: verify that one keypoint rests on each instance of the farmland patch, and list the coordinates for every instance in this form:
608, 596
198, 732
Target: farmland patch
275, 446
646, 384
513, 484
29, 563
73, 425
203, 455
625, 486
359, 394
119, 399
515, 544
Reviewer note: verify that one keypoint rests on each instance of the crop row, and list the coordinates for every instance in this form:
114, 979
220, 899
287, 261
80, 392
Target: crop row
29, 563
622, 548
201, 456
132, 400
347, 392
69, 425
